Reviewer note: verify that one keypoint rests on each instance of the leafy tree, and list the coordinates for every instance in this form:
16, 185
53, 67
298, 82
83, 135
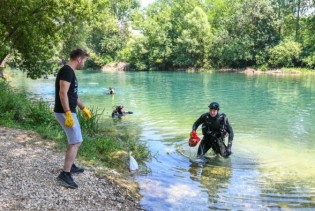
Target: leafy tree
307, 39
110, 33
193, 44
35, 34
162, 24
243, 33
310, 60
137, 52
32, 31
154, 24
122, 9
106, 40
289, 15
157, 30
285, 54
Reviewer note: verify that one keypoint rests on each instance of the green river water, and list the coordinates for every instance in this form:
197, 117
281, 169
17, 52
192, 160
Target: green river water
273, 160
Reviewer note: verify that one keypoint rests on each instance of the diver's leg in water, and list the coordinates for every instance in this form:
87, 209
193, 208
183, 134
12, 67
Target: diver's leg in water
204, 146
221, 148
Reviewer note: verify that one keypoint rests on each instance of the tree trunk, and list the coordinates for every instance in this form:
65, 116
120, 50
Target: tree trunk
279, 17
3, 61
1, 73
297, 29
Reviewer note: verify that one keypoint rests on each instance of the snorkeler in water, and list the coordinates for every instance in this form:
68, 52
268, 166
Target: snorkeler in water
119, 111
111, 90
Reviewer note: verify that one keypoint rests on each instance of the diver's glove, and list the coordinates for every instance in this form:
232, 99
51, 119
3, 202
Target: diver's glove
87, 113
69, 122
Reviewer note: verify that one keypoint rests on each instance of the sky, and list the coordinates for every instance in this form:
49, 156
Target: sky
145, 3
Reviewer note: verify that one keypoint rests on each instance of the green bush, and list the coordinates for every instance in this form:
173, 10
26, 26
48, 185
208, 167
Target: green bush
310, 61
263, 67
40, 113
13, 106
285, 54
138, 55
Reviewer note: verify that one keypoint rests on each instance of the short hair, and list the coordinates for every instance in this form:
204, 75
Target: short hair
78, 53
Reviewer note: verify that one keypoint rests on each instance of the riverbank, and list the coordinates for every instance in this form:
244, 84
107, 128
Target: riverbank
123, 66
282, 71
29, 167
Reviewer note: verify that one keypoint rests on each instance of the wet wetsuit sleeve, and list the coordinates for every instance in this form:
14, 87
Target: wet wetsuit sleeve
198, 122
229, 129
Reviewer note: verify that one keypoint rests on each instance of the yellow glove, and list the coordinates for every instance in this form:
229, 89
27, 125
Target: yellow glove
69, 119
87, 113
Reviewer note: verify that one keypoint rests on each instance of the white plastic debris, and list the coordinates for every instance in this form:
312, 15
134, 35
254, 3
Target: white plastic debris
133, 165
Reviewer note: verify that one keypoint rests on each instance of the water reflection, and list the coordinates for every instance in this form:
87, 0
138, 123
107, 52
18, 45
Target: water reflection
214, 174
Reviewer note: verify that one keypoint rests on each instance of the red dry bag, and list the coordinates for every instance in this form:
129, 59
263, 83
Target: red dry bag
194, 139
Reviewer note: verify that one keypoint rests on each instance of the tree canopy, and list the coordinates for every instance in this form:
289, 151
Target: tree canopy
166, 35
36, 34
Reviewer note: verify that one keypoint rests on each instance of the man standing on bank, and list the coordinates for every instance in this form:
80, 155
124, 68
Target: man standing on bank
66, 101
215, 126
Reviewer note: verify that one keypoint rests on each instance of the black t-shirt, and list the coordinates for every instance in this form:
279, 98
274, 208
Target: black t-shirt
66, 73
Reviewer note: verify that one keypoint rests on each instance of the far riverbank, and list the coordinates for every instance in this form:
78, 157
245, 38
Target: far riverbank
123, 66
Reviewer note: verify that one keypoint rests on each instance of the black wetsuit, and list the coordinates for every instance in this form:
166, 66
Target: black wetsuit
214, 130
119, 113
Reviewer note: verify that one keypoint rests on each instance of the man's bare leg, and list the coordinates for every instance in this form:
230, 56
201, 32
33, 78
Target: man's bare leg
71, 154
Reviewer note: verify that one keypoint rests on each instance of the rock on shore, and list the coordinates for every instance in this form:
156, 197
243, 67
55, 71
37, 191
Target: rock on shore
113, 67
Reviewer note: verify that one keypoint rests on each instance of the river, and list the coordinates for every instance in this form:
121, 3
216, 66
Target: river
273, 160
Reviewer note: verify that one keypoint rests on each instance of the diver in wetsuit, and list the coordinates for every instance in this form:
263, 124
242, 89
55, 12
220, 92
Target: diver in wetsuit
111, 90
119, 111
215, 126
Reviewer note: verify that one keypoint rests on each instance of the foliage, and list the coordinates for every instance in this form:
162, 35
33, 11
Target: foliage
166, 33
244, 31
107, 39
310, 61
109, 32
289, 16
122, 9
92, 126
38, 33
241, 33
137, 53
154, 48
169, 34
11, 105
32, 31
193, 45
285, 54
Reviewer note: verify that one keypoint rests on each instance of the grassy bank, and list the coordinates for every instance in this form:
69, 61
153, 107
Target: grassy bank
104, 143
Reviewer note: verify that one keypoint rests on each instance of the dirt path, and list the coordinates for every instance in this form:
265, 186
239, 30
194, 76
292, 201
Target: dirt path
29, 166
